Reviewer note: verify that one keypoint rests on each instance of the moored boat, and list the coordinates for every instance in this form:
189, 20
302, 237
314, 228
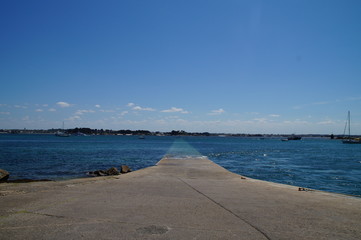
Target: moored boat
62, 133
350, 140
293, 137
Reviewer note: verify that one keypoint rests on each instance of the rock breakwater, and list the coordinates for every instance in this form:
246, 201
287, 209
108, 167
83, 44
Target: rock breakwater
109, 172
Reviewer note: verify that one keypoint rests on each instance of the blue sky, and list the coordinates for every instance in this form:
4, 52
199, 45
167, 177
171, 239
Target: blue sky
230, 66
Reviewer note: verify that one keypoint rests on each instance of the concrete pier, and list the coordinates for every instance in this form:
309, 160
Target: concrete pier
180, 198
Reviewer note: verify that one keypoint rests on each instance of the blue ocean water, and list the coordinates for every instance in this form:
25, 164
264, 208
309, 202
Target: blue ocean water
321, 164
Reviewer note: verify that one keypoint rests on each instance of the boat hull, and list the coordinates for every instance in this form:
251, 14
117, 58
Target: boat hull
352, 141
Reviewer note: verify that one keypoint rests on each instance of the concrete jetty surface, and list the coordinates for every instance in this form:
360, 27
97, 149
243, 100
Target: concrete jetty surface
180, 198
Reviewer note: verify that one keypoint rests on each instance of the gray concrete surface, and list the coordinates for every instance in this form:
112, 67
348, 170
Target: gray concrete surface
180, 198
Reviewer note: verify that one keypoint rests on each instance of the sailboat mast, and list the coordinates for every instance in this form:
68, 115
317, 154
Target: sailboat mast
350, 140
349, 127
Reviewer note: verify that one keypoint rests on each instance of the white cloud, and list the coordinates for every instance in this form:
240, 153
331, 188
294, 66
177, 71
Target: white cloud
252, 113
172, 117
174, 109
81, 112
138, 108
106, 111
123, 113
19, 106
216, 112
274, 115
326, 122
39, 110
52, 110
353, 99
321, 103
63, 104
296, 122
260, 120
97, 106
326, 102
298, 107
73, 118
5, 113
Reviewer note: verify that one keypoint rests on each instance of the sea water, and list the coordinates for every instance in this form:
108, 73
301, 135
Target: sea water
321, 164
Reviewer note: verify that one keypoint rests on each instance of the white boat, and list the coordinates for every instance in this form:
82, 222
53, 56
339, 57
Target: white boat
349, 139
62, 133
79, 134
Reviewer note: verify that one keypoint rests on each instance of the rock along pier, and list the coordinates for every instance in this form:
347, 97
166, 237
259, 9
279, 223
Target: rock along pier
179, 198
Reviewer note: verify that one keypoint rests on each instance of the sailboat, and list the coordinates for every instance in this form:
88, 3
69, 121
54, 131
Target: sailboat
62, 133
350, 140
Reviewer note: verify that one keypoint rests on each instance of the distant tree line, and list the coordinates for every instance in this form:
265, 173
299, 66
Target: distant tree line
89, 131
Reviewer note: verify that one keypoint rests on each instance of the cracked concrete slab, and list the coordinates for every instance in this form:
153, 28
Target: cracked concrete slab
180, 198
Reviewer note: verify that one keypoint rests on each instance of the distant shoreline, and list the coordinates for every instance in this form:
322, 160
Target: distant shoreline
92, 132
